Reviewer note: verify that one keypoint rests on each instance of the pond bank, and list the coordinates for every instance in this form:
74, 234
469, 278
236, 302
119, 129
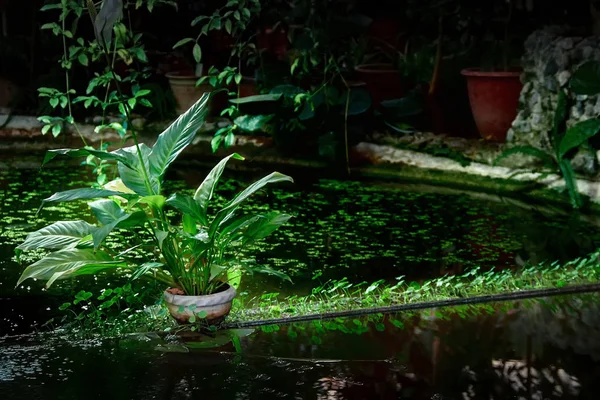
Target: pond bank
424, 157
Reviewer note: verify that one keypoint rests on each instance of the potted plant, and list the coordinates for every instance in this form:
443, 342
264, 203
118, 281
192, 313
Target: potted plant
227, 27
192, 254
184, 85
494, 93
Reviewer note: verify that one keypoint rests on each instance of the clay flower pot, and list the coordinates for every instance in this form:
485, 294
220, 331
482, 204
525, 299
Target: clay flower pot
494, 97
274, 41
183, 86
383, 81
216, 305
248, 87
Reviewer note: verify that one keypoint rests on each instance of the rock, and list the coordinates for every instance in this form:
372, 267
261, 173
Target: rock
585, 161
551, 56
138, 123
563, 78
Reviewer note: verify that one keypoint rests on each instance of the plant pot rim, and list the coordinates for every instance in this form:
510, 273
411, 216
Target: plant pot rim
376, 68
210, 299
479, 73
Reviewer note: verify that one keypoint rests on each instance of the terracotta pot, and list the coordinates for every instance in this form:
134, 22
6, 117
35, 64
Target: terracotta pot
8, 92
383, 81
183, 86
274, 41
248, 87
494, 97
215, 305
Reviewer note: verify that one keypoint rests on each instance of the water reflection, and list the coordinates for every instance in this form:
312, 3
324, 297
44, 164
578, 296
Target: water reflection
534, 349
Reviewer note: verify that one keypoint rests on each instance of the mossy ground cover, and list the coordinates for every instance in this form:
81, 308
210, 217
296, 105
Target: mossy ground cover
350, 245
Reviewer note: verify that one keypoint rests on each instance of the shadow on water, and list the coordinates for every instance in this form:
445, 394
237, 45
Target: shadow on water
535, 349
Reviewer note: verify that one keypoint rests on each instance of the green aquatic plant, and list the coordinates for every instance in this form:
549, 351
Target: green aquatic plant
195, 251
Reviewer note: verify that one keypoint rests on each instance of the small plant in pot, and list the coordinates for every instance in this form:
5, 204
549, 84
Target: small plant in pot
192, 254
230, 23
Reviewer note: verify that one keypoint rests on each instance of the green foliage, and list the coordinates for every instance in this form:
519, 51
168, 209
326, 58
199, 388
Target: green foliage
585, 81
577, 135
113, 311
123, 47
288, 108
341, 295
194, 252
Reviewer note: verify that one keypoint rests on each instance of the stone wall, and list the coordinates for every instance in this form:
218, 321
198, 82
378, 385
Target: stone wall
551, 55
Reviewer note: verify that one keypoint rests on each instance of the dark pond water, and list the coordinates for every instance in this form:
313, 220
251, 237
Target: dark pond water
535, 349
359, 230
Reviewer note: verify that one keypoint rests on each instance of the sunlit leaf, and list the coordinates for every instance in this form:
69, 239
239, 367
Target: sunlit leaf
57, 236
177, 137
69, 263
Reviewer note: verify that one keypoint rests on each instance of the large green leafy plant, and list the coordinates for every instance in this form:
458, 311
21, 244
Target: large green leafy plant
567, 140
114, 41
193, 251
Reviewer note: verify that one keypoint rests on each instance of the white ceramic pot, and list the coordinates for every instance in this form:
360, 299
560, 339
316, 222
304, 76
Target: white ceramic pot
215, 305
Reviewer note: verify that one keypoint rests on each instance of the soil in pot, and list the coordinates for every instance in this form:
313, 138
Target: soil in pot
494, 97
216, 305
383, 81
183, 86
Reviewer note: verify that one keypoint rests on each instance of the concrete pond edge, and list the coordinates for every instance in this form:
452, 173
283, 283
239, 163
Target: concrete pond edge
21, 136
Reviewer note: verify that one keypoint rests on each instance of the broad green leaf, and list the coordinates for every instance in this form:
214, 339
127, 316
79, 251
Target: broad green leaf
206, 189
586, 79
570, 182
117, 185
234, 277
182, 42
287, 90
107, 211
69, 263
111, 215
144, 268
157, 201
80, 194
188, 206
252, 123
133, 176
75, 153
577, 135
57, 236
560, 114
264, 226
359, 102
529, 151
177, 137
265, 270
197, 52
109, 14
216, 270
160, 237
189, 224
231, 207
234, 225
272, 97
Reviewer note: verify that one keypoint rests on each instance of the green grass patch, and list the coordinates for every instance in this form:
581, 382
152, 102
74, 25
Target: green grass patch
342, 295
